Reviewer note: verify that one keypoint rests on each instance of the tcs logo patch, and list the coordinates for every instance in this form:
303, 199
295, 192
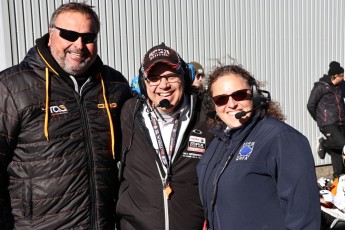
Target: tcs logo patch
58, 110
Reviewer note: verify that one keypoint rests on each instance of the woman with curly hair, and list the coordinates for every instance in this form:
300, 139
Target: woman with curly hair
258, 172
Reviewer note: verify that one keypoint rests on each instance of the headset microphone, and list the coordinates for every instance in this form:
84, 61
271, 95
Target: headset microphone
241, 114
261, 100
165, 103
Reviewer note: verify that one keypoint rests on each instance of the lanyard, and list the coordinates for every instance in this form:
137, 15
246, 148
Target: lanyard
163, 155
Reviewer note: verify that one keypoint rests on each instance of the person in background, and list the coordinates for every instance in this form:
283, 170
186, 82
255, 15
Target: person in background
342, 89
199, 75
326, 106
165, 134
59, 124
251, 174
135, 85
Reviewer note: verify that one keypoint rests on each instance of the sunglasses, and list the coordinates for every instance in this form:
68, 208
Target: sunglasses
239, 95
72, 36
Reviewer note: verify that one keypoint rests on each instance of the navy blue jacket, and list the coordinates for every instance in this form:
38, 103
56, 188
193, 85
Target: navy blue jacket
270, 182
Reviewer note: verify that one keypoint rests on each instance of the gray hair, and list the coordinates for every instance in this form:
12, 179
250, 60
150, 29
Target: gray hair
82, 8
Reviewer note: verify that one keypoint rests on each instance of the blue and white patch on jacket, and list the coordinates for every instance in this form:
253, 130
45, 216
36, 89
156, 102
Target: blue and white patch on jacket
245, 151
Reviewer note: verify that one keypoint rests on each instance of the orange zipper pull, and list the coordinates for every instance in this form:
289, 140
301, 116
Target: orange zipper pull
168, 190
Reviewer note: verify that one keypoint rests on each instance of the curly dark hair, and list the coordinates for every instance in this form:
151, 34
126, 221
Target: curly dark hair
272, 109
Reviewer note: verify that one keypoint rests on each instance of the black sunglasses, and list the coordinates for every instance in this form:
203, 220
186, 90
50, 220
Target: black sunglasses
72, 36
239, 95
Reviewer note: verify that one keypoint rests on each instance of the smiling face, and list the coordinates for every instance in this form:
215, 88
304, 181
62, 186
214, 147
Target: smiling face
74, 57
165, 90
231, 84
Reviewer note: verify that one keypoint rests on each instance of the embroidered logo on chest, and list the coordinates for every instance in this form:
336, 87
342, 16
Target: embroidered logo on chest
58, 110
245, 151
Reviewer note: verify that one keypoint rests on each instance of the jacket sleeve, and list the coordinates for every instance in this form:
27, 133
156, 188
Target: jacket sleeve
315, 95
294, 168
9, 121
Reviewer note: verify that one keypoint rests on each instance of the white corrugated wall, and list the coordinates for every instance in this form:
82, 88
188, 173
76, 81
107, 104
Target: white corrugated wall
286, 43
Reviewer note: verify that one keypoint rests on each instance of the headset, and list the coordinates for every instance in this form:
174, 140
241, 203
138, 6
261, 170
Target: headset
260, 97
188, 78
135, 86
191, 71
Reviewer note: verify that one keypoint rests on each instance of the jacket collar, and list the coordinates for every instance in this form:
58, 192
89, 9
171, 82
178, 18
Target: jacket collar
225, 133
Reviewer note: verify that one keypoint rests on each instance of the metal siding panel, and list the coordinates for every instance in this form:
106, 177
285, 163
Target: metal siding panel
116, 24
150, 36
159, 23
5, 38
203, 26
28, 26
37, 25
287, 44
13, 29
107, 44
137, 36
123, 37
130, 37
179, 27
20, 33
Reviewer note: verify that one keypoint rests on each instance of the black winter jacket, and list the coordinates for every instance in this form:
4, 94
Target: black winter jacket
325, 103
68, 181
141, 203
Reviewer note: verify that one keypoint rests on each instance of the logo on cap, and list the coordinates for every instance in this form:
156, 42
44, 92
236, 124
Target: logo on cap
159, 53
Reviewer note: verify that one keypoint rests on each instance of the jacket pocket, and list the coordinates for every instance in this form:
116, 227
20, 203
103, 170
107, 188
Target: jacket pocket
27, 199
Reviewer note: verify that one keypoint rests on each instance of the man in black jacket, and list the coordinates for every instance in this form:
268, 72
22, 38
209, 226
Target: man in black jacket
59, 118
326, 106
165, 134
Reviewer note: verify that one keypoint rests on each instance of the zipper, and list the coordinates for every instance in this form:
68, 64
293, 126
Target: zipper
166, 210
165, 200
90, 162
88, 148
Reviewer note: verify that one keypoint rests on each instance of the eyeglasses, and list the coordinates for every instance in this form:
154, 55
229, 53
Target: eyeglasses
156, 80
239, 95
72, 36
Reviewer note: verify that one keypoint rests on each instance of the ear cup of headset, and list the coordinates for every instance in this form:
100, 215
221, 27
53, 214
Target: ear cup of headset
188, 77
191, 70
141, 82
258, 98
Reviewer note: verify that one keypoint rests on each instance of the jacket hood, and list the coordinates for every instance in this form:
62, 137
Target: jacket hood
327, 79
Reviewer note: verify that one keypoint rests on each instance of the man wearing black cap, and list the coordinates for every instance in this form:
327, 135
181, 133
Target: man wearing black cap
326, 106
165, 133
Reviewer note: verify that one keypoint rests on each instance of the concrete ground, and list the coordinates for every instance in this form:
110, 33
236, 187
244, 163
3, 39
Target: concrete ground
324, 171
